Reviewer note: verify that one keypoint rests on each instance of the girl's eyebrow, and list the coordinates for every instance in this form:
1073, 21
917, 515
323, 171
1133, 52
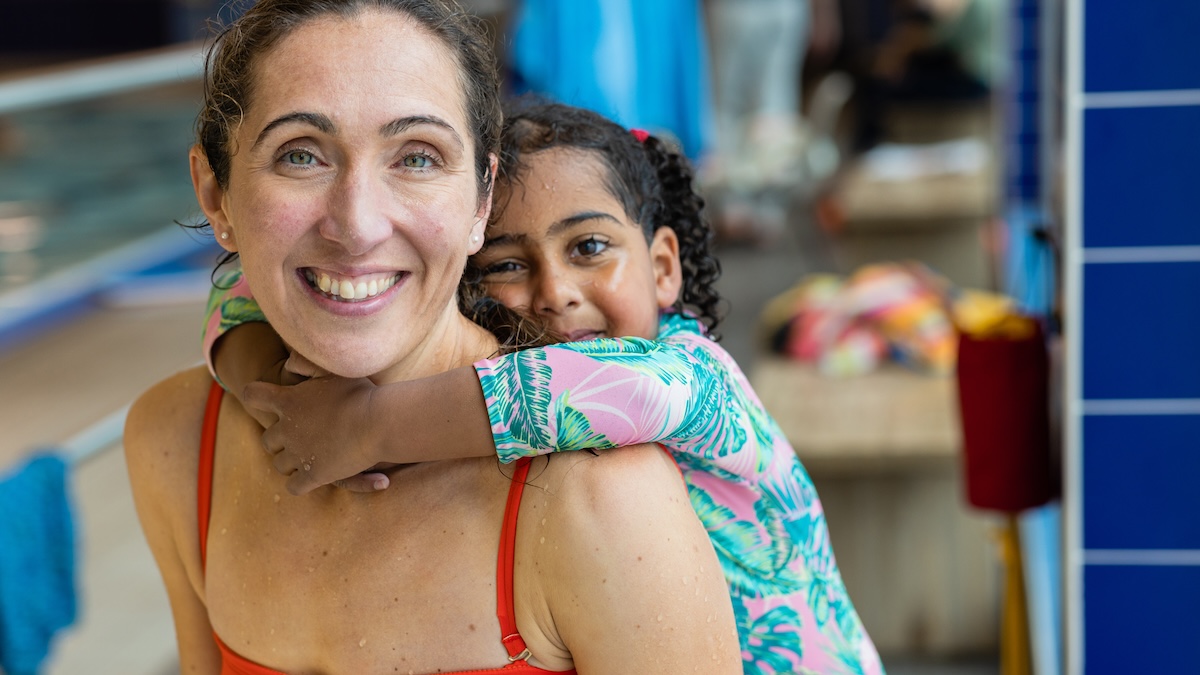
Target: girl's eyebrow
582, 217
554, 229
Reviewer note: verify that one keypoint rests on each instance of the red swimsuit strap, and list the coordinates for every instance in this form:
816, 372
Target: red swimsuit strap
505, 609
208, 445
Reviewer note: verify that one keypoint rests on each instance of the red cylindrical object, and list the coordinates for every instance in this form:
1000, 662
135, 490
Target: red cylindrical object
1003, 393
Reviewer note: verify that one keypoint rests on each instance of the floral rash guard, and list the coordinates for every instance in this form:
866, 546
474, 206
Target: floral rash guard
753, 496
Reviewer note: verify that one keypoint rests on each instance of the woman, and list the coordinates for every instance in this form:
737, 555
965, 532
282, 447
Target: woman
352, 143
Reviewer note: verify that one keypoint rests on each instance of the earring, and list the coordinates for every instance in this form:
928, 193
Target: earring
224, 236
475, 239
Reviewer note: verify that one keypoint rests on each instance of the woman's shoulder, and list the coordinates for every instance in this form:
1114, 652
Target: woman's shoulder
592, 496
614, 477
162, 431
620, 559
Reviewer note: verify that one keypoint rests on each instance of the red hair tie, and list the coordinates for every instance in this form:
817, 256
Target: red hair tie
640, 134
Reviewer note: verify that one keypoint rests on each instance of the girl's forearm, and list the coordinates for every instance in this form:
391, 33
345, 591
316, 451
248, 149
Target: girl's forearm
438, 417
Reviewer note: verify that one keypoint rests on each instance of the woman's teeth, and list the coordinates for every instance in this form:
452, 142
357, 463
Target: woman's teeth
350, 289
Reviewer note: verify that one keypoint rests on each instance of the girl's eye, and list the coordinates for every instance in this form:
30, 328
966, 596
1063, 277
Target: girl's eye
590, 247
418, 161
300, 158
501, 267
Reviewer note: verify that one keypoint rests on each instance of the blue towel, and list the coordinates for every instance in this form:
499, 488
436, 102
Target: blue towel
37, 562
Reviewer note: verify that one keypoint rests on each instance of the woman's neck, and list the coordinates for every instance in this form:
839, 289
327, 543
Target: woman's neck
454, 343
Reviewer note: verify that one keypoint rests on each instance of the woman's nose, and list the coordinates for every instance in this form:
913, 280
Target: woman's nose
358, 218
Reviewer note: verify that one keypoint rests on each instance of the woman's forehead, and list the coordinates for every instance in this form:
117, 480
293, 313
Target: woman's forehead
369, 68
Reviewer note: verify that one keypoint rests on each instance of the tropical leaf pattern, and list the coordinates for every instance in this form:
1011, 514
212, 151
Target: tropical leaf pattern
517, 392
750, 492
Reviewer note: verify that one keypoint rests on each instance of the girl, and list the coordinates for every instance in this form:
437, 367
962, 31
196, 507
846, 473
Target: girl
597, 233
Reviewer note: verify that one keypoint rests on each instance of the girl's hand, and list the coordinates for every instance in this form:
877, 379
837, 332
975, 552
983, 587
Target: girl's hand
323, 432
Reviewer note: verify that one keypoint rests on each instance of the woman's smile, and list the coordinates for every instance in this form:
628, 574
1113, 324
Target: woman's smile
347, 287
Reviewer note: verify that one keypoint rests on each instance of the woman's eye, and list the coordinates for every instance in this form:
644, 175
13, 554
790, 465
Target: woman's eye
418, 161
300, 157
591, 247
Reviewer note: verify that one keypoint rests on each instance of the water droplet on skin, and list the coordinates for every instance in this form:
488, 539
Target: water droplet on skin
362, 642
660, 617
685, 581
224, 530
276, 499
542, 541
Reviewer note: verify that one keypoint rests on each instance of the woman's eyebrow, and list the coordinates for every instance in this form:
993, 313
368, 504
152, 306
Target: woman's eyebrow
326, 125
402, 124
321, 122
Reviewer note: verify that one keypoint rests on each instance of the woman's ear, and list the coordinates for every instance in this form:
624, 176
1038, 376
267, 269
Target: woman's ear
211, 198
668, 271
485, 206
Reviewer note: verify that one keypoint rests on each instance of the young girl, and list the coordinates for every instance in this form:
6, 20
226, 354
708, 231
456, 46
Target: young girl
597, 233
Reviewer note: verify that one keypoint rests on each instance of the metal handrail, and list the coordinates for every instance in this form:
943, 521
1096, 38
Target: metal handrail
92, 79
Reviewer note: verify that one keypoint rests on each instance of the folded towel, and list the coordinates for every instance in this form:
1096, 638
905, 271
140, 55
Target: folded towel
37, 562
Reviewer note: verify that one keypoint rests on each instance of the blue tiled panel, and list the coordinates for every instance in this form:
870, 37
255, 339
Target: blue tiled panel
1141, 176
1143, 45
1140, 619
1141, 327
1139, 477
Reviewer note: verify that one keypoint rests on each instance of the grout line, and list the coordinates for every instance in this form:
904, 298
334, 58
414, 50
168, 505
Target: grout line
1138, 557
1141, 254
1142, 99
1140, 406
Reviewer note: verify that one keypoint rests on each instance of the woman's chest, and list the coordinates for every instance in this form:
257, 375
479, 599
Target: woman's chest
355, 582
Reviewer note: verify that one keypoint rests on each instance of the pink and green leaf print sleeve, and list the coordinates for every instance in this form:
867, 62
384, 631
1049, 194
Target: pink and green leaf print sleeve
677, 390
230, 304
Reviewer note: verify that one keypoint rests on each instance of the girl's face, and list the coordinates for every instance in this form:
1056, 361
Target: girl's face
564, 250
352, 198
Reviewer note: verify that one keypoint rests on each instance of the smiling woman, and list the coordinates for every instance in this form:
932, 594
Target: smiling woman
353, 179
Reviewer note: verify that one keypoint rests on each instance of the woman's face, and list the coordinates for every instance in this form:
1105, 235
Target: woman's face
352, 199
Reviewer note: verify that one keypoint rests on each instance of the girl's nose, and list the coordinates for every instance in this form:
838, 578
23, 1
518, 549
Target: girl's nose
556, 292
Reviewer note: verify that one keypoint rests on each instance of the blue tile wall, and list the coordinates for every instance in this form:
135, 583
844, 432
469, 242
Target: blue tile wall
1140, 619
1140, 474
1142, 45
1141, 326
1140, 180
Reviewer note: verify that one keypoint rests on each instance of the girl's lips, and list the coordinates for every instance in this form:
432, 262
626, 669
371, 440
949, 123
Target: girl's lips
583, 334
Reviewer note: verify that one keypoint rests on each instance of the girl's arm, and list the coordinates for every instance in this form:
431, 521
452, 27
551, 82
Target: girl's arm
681, 391
239, 345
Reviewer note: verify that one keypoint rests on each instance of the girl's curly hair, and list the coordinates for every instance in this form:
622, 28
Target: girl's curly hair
652, 181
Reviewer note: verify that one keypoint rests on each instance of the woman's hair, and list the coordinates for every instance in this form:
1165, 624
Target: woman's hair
652, 182
229, 68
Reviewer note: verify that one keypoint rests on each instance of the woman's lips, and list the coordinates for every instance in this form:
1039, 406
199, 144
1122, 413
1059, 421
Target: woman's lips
350, 287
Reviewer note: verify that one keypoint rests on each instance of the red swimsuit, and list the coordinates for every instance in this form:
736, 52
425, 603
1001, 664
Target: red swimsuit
233, 664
